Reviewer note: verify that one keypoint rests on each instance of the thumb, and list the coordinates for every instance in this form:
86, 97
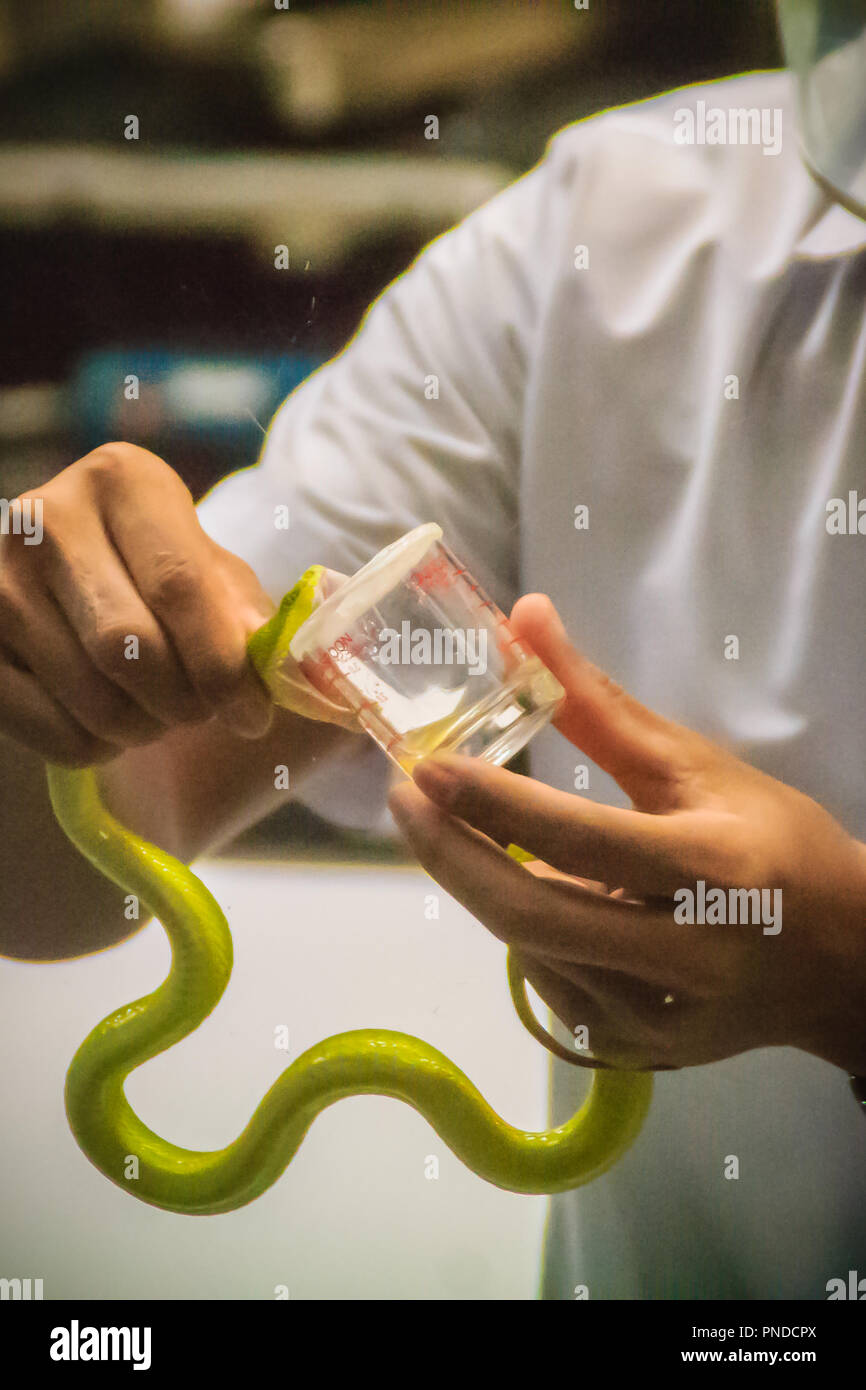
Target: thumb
617, 732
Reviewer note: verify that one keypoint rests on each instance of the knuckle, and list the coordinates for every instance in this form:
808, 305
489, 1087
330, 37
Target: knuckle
118, 463
119, 455
173, 579
113, 460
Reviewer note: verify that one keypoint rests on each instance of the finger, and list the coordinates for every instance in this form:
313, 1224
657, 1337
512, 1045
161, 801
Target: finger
90, 584
619, 733
654, 852
609, 1030
40, 639
173, 565
33, 718
552, 917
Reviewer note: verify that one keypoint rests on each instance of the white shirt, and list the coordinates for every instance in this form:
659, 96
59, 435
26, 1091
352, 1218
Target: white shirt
700, 387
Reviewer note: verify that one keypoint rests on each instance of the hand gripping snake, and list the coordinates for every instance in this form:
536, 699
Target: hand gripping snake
365, 1061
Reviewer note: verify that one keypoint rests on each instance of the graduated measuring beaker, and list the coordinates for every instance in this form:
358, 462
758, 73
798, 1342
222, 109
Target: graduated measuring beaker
425, 658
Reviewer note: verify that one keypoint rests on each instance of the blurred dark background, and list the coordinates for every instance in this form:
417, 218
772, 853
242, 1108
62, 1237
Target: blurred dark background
143, 295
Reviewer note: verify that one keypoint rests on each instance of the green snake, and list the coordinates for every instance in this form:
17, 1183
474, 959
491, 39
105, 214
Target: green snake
365, 1061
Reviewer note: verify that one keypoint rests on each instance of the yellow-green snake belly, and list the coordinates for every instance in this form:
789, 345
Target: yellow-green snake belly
365, 1061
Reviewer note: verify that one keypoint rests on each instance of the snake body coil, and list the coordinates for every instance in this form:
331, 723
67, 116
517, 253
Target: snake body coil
360, 1062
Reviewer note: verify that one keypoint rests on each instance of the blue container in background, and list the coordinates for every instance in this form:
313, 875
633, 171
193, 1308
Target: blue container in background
222, 405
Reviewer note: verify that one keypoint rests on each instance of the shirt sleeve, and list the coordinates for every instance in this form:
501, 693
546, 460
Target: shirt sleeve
417, 419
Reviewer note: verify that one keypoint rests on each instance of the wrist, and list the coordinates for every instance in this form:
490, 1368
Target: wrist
841, 1038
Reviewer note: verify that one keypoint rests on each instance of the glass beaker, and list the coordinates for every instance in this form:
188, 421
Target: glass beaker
425, 658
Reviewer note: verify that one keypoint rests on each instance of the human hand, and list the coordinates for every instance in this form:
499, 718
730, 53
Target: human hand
650, 989
122, 556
